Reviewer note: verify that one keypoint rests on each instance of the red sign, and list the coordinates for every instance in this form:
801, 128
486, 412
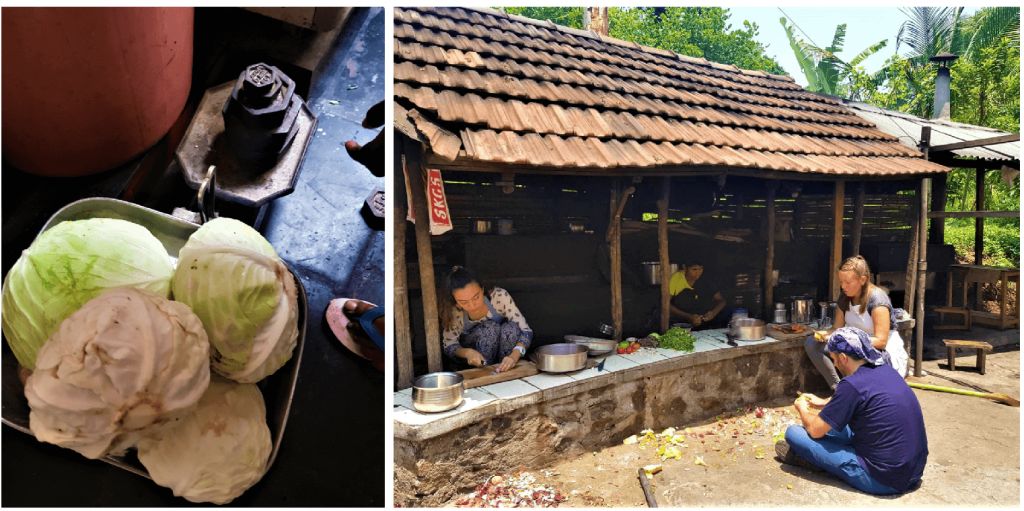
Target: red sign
437, 203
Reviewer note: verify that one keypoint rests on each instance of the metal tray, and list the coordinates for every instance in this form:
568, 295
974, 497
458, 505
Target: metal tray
172, 232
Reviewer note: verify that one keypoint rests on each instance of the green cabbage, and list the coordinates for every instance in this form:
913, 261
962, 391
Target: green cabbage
234, 281
125, 365
70, 264
218, 450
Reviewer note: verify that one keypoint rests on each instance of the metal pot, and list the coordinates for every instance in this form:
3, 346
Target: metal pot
437, 392
482, 226
801, 310
560, 358
652, 272
779, 316
747, 329
595, 347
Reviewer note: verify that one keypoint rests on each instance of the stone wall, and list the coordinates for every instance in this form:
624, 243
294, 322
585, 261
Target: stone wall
432, 471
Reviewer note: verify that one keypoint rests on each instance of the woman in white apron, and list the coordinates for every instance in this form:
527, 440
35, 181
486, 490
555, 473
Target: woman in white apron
867, 307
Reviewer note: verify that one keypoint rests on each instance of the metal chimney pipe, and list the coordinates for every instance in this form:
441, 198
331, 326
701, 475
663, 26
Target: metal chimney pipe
941, 106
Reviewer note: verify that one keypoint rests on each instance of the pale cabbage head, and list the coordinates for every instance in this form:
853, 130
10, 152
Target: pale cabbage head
216, 452
70, 264
126, 364
234, 281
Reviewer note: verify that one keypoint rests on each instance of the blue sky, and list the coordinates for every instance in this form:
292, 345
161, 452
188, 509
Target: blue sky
864, 27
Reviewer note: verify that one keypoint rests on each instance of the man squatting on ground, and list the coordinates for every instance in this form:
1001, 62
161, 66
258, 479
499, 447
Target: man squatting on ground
870, 433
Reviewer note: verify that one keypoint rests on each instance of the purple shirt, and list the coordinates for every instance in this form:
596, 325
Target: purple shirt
885, 418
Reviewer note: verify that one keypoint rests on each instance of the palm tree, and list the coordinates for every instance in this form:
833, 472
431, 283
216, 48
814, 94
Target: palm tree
823, 69
929, 31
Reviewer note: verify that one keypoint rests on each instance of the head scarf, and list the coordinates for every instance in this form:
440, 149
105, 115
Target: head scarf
854, 341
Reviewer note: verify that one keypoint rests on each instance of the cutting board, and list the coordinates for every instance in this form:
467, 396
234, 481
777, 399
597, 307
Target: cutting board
479, 376
784, 336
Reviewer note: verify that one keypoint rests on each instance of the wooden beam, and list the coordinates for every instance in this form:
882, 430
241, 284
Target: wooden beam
616, 260
922, 273
1002, 139
400, 310
974, 214
424, 252
837, 238
769, 265
858, 219
663, 256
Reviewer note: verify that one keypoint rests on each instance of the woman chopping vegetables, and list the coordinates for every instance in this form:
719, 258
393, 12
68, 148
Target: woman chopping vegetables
481, 325
864, 306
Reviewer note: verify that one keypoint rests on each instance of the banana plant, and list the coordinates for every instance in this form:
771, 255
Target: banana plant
823, 68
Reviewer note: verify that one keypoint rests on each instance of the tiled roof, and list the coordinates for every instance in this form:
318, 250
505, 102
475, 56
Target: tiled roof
521, 91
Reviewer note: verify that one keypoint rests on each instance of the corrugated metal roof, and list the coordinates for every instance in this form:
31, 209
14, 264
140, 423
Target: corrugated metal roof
908, 128
526, 92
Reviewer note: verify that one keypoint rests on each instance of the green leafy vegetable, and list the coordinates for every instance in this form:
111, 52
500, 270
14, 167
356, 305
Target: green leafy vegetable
70, 264
677, 339
245, 296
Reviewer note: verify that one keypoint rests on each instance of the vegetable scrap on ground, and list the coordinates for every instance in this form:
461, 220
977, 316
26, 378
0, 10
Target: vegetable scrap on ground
608, 478
512, 490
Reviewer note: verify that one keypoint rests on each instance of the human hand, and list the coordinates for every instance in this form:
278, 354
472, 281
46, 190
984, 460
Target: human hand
508, 362
821, 335
697, 320
707, 316
814, 401
801, 405
475, 358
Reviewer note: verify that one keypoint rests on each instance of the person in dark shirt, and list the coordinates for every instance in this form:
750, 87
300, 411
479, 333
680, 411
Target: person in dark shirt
698, 302
870, 433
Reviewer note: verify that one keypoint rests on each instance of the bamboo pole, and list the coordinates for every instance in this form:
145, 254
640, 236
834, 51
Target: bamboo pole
663, 256
403, 333
769, 265
858, 219
616, 262
424, 252
922, 273
979, 228
837, 238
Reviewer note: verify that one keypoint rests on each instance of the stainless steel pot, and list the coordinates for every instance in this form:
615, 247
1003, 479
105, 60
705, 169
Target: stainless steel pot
595, 346
560, 358
801, 310
482, 226
652, 272
437, 392
747, 329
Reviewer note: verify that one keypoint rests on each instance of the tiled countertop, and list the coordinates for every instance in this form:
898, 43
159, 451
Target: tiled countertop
490, 400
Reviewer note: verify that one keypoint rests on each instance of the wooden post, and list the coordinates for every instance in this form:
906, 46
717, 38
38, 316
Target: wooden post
937, 230
666, 272
910, 284
858, 219
979, 230
769, 265
616, 260
837, 239
400, 310
424, 252
922, 273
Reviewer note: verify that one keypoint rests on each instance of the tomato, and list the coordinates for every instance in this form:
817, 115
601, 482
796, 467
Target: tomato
621, 351
630, 350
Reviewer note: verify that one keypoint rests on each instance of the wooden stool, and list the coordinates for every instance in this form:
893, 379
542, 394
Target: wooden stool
981, 347
958, 311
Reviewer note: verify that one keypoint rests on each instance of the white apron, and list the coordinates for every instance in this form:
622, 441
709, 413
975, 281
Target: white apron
894, 347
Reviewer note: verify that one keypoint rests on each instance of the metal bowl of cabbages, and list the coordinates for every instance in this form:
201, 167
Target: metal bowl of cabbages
172, 233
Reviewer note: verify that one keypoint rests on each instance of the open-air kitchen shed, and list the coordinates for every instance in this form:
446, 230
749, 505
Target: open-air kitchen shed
488, 97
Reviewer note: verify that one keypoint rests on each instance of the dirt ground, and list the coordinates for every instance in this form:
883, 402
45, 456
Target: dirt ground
974, 452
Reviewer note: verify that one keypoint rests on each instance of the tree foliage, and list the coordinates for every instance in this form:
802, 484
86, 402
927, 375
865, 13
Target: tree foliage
693, 31
824, 70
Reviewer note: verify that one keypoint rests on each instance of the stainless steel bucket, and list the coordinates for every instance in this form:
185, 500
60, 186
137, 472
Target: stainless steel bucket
801, 310
437, 392
652, 272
